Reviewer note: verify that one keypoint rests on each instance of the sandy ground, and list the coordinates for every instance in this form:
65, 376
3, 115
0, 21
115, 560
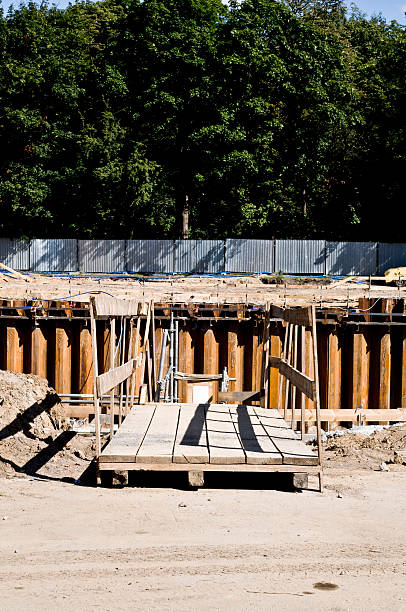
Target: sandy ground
242, 543
237, 290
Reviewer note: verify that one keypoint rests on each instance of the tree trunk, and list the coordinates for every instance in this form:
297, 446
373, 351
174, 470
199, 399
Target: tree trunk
185, 219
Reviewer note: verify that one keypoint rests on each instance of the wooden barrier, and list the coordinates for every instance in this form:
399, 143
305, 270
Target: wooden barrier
360, 367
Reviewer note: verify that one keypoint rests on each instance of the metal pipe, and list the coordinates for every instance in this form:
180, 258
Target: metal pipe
161, 366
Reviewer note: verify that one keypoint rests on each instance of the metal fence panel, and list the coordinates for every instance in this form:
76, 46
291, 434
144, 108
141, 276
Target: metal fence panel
300, 256
199, 256
250, 256
54, 255
102, 256
357, 258
390, 256
15, 253
150, 256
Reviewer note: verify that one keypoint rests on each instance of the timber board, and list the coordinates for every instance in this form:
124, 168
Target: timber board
206, 434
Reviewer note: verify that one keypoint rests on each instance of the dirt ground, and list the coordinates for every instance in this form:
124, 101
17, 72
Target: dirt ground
205, 289
243, 542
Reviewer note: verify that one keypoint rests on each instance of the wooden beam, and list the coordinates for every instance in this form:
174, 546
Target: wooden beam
305, 384
240, 396
398, 415
107, 381
106, 306
299, 316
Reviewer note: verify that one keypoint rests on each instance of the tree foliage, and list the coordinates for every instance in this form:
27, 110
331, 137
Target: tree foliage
275, 117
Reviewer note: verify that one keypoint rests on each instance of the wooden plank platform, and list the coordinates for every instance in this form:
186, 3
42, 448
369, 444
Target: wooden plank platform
206, 437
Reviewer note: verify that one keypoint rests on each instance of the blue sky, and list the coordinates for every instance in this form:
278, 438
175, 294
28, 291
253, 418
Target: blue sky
390, 9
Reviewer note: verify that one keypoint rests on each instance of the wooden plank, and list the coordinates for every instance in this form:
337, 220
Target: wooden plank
191, 436
288, 443
107, 381
257, 445
126, 443
224, 444
106, 306
299, 316
209, 467
305, 384
240, 396
159, 440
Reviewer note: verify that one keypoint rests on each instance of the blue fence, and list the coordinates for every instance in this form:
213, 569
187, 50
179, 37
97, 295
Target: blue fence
312, 257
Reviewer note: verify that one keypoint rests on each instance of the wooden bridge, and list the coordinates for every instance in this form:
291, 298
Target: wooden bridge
206, 437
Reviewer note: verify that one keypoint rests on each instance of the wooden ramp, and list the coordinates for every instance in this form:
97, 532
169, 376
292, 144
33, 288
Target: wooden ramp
197, 438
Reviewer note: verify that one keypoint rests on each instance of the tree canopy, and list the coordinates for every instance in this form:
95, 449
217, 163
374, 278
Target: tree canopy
273, 117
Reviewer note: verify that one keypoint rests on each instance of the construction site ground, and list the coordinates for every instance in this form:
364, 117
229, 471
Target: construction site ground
255, 289
243, 542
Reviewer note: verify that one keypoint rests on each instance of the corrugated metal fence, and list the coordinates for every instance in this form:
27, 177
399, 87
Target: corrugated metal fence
202, 256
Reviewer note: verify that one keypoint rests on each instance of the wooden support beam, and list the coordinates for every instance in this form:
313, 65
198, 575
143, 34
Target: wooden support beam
240, 397
106, 306
397, 415
305, 384
107, 381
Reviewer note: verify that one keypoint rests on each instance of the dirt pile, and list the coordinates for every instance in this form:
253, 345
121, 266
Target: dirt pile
34, 432
367, 451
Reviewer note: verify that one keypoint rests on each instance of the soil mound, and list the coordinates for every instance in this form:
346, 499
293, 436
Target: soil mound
367, 450
34, 434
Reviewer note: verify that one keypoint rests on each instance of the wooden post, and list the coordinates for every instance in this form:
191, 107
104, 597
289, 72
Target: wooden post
14, 349
334, 373
112, 365
317, 395
303, 397
130, 356
284, 353
265, 358
287, 382
63, 349
186, 359
39, 351
85, 361
211, 357
144, 348
274, 376
294, 386
95, 374
123, 359
403, 392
